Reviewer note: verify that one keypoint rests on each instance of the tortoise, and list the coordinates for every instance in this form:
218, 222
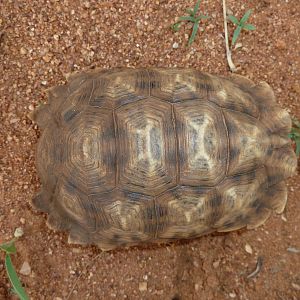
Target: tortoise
133, 156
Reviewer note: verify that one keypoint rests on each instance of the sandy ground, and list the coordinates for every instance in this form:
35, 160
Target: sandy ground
40, 42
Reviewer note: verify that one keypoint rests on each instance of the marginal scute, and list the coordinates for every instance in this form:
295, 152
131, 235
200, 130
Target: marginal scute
190, 211
48, 156
242, 82
132, 156
173, 86
124, 217
229, 96
258, 217
276, 197
264, 94
41, 201
239, 194
281, 163
57, 223
60, 92
115, 89
276, 120
42, 115
248, 140
78, 235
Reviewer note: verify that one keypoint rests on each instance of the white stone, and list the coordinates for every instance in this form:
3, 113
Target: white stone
25, 269
248, 249
19, 232
175, 45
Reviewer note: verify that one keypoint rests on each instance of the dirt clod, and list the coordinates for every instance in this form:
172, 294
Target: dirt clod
143, 286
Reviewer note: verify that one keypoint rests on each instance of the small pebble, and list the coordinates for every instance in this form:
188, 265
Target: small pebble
238, 45
216, 264
248, 249
281, 44
145, 277
23, 51
293, 250
76, 250
25, 269
232, 295
196, 264
197, 287
296, 286
23, 221
229, 11
143, 286
14, 120
175, 45
47, 58
19, 232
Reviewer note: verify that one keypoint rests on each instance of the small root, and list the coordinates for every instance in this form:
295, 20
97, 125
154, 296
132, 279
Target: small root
228, 51
257, 269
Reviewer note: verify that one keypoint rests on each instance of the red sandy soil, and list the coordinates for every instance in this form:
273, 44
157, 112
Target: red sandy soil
40, 42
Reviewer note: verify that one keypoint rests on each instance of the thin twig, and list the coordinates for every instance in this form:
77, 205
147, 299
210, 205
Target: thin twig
80, 275
257, 268
228, 51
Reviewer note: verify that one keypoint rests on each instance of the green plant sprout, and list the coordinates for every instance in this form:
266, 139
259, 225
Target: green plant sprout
191, 18
294, 135
241, 24
10, 248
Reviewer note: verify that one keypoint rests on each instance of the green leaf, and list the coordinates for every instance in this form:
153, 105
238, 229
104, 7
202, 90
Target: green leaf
297, 147
296, 134
190, 12
9, 247
246, 16
196, 7
194, 32
13, 277
249, 27
204, 17
296, 122
236, 35
187, 18
233, 19
176, 26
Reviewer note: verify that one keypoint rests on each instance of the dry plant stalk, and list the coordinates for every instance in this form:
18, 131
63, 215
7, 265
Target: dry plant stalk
228, 51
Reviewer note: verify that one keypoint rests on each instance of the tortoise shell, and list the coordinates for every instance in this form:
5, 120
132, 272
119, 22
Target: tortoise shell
129, 156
